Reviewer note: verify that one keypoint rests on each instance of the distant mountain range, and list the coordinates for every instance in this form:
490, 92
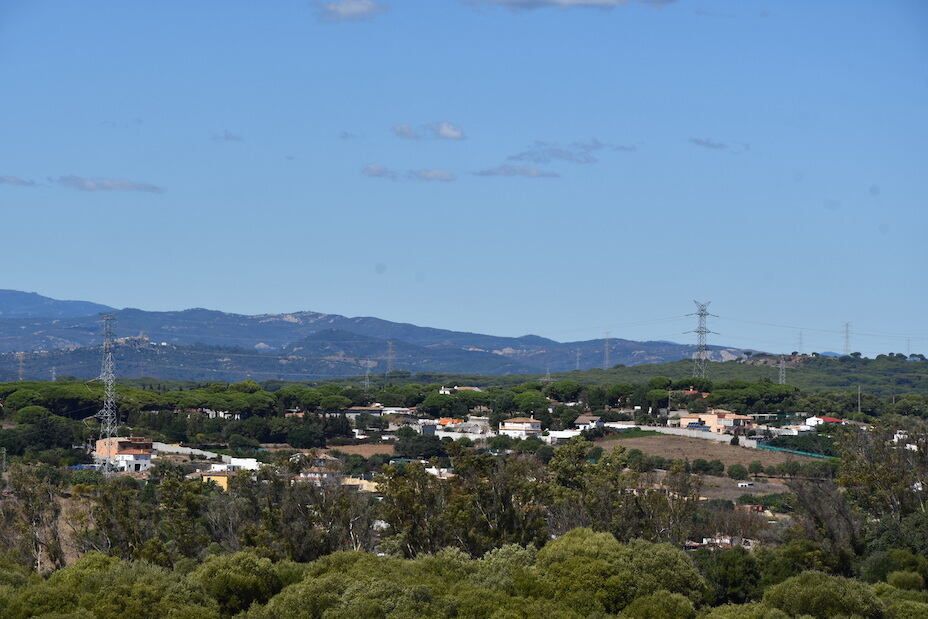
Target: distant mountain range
200, 344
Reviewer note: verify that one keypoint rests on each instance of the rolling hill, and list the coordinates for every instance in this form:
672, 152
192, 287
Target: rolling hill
200, 343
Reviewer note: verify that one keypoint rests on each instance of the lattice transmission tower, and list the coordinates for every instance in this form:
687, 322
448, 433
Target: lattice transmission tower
109, 414
782, 377
701, 358
391, 357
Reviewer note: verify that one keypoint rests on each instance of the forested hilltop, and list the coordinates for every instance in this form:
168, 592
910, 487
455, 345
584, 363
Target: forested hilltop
351, 511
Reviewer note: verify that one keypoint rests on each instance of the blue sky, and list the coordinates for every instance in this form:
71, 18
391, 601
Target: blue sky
502, 166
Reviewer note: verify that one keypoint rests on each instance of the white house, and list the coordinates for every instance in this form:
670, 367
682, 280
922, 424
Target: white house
553, 437
520, 427
130, 454
588, 422
817, 421
450, 390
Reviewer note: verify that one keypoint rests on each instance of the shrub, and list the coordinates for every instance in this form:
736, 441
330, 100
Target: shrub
910, 581
822, 596
236, 581
660, 605
737, 471
746, 611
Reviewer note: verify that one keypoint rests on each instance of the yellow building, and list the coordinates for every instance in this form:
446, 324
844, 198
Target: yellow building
220, 478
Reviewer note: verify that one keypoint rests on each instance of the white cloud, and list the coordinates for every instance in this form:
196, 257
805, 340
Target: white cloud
447, 131
527, 171
577, 152
349, 10
405, 131
375, 170
443, 130
105, 184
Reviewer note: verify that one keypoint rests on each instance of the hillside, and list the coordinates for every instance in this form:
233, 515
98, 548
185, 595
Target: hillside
16, 304
198, 343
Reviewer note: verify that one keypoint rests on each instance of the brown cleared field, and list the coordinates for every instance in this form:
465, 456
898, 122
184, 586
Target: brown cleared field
686, 448
365, 451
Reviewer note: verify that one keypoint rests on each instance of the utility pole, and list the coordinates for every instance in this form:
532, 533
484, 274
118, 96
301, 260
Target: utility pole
701, 359
109, 414
800, 342
847, 338
606, 351
858, 398
21, 357
782, 378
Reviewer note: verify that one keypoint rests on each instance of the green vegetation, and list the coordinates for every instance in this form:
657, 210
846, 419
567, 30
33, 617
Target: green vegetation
519, 528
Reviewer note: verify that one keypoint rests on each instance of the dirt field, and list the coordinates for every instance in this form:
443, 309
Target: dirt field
683, 447
365, 451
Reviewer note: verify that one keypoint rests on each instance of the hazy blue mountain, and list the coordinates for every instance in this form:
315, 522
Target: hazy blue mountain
203, 343
16, 304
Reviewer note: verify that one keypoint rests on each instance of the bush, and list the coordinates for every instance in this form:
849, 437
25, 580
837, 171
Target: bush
910, 581
660, 605
236, 581
822, 596
746, 611
737, 471
593, 573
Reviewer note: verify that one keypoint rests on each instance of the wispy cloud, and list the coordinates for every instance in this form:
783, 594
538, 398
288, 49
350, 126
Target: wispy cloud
427, 175
228, 136
441, 176
349, 10
518, 5
405, 131
577, 152
105, 184
16, 181
375, 170
711, 144
508, 169
442, 130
